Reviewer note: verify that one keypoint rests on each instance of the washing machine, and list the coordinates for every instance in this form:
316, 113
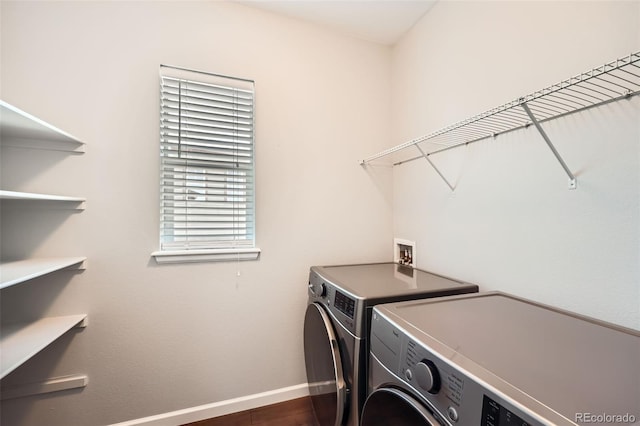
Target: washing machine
493, 359
336, 328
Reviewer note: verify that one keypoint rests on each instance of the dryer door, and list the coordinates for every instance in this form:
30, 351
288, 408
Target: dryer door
389, 406
324, 367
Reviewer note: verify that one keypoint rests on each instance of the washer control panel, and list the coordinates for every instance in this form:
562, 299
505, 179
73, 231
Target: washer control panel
437, 383
494, 414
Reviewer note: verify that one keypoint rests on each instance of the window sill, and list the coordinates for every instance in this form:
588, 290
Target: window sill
211, 255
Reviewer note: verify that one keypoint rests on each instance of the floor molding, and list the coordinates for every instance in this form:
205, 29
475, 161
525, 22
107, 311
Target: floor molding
194, 414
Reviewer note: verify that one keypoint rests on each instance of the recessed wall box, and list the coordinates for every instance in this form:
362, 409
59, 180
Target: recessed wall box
404, 252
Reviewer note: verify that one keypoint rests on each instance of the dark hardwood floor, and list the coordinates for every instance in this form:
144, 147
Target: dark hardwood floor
296, 412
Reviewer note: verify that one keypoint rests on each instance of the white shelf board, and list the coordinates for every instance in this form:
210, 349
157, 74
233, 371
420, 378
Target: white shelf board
54, 384
19, 128
19, 342
16, 272
30, 196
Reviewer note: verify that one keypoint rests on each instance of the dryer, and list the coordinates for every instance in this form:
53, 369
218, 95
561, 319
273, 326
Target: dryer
493, 359
336, 328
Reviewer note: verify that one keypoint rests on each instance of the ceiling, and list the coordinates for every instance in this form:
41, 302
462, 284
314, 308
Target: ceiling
379, 21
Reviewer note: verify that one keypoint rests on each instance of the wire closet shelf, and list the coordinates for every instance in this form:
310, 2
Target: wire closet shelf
613, 81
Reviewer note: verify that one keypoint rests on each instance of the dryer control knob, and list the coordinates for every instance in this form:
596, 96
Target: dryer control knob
322, 291
427, 376
318, 290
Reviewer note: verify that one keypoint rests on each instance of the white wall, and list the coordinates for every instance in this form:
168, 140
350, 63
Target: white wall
511, 224
163, 338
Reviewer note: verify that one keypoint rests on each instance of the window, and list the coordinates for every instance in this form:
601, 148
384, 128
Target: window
207, 208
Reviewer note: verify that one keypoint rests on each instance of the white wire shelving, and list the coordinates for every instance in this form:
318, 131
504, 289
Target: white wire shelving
613, 81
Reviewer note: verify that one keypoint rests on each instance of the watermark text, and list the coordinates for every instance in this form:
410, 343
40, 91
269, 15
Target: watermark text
604, 418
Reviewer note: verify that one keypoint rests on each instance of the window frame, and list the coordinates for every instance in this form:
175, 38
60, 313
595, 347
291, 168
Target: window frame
215, 250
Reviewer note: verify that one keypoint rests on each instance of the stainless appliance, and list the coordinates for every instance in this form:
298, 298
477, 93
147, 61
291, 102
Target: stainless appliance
492, 359
336, 328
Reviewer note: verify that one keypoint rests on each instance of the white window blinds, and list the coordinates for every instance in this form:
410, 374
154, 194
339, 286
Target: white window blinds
207, 161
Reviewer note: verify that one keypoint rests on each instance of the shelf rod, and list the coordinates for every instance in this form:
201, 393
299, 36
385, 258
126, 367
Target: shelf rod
572, 178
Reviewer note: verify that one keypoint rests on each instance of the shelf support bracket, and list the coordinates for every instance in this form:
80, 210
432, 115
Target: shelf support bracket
426, 157
572, 178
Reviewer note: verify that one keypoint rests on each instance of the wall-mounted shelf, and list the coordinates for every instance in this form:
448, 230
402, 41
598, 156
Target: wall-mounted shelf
54, 384
19, 342
16, 272
77, 203
30, 196
19, 128
613, 81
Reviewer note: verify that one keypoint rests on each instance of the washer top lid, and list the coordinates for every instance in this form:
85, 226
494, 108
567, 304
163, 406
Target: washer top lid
570, 363
377, 281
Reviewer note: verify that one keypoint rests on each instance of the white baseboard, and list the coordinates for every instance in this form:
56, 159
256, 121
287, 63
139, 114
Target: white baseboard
221, 408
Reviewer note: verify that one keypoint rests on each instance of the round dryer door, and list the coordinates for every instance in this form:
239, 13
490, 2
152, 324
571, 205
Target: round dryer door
324, 367
390, 406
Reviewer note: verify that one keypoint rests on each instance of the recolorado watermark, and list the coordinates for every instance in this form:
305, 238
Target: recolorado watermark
605, 418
